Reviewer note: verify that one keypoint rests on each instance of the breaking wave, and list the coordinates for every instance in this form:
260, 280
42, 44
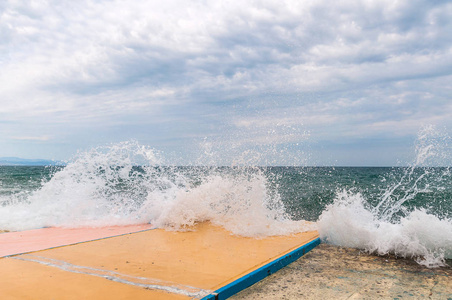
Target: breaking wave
129, 183
391, 225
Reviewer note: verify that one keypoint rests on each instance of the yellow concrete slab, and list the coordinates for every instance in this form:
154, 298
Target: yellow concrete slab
26, 280
153, 264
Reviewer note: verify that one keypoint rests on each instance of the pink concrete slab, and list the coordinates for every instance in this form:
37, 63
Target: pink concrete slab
12, 243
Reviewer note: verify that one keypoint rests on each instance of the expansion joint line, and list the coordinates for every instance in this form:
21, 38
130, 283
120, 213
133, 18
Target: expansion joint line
144, 282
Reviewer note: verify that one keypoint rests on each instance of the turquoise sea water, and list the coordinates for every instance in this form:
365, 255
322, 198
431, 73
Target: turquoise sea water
304, 191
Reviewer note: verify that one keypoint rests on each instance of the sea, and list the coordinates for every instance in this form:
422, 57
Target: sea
401, 210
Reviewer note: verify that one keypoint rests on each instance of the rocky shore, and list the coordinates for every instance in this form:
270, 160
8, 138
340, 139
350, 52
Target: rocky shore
331, 272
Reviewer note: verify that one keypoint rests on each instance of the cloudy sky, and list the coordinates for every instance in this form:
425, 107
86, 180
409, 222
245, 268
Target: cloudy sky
293, 82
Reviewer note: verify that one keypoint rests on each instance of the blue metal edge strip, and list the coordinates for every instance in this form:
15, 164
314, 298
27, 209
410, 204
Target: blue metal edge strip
259, 274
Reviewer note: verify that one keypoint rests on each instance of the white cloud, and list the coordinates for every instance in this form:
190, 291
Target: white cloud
71, 65
31, 138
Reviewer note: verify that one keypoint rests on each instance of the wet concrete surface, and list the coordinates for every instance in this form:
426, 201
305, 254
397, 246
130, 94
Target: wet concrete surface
331, 272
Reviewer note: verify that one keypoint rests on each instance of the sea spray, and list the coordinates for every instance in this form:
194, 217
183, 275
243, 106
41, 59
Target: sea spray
100, 186
128, 183
240, 203
396, 224
350, 223
406, 211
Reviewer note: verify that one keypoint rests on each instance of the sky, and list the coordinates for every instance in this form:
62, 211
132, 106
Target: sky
347, 83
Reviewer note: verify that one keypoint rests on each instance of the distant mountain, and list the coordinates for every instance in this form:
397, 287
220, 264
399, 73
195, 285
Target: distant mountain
15, 161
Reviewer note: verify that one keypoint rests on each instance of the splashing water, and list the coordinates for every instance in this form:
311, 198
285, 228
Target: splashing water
407, 213
394, 225
128, 184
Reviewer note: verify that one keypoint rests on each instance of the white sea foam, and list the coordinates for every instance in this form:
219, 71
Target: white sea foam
241, 204
390, 226
104, 186
349, 223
